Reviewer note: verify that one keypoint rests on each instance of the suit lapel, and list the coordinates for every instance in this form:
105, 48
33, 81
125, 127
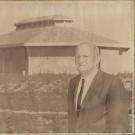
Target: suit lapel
76, 88
93, 87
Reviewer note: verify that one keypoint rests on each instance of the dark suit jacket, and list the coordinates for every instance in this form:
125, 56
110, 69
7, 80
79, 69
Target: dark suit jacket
104, 109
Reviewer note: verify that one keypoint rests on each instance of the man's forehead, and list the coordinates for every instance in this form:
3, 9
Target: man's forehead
84, 48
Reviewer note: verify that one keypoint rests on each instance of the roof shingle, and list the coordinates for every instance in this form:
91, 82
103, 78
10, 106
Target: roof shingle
51, 36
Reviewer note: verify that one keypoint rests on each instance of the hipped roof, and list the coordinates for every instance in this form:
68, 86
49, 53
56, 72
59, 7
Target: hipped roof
52, 36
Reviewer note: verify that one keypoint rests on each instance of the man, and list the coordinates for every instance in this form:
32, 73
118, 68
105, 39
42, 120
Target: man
97, 101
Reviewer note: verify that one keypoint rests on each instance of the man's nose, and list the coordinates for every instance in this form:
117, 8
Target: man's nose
82, 59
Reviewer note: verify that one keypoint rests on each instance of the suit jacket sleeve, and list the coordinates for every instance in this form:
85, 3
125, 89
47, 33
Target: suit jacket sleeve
117, 105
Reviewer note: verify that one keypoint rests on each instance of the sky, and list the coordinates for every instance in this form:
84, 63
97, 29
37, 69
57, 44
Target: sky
112, 19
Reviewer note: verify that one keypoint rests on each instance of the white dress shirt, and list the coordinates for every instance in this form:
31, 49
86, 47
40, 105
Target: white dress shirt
88, 81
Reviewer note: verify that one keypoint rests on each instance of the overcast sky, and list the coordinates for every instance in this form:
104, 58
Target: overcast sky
113, 19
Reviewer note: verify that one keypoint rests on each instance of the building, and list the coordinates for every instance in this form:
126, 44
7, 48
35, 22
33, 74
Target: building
46, 45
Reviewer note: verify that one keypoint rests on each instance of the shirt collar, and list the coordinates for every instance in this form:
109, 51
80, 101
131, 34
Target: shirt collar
91, 74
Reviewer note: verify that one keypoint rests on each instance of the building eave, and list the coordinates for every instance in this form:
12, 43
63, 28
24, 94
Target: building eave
114, 46
11, 45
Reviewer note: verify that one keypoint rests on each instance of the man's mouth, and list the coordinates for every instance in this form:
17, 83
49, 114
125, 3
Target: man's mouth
82, 66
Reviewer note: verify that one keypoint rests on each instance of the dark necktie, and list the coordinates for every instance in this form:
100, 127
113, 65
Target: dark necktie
80, 97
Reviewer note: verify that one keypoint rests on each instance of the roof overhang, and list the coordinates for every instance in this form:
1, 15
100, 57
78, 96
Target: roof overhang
113, 46
11, 45
110, 46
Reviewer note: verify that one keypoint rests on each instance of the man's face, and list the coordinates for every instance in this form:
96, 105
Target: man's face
84, 59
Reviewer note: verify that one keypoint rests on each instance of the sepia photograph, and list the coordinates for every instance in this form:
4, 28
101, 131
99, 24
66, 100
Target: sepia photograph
67, 67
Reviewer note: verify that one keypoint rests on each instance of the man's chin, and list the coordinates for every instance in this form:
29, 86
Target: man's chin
82, 71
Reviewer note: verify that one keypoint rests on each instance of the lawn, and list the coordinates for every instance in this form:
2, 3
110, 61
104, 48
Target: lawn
34, 104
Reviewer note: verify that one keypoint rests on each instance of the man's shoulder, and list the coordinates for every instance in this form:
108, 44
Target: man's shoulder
110, 78
75, 78
73, 83
103, 74
107, 76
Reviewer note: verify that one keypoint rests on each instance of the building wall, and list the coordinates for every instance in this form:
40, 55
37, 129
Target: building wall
113, 62
51, 65
51, 60
61, 60
56, 60
12, 60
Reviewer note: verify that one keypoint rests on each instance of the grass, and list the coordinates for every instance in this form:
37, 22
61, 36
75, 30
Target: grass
36, 93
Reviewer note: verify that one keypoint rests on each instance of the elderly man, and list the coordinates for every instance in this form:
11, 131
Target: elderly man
97, 102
